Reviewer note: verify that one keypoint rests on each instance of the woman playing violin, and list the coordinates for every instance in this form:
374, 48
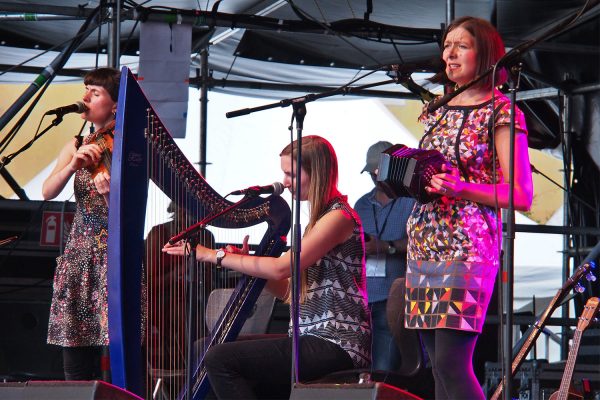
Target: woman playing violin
78, 313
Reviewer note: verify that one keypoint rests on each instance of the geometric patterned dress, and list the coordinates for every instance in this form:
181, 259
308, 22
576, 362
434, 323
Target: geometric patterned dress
79, 310
454, 244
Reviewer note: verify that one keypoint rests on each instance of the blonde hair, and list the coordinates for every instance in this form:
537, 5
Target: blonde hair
319, 161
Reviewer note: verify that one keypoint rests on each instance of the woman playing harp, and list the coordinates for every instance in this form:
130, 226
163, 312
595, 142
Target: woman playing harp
333, 287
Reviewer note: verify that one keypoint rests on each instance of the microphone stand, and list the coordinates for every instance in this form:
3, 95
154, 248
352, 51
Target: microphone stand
8, 240
344, 90
567, 191
201, 225
299, 112
190, 235
5, 160
508, 272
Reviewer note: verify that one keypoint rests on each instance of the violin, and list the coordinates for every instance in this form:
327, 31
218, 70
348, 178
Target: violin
104, 138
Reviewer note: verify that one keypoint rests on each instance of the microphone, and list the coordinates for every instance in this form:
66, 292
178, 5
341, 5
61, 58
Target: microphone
401, 73
276, 188
78, 108
434, 65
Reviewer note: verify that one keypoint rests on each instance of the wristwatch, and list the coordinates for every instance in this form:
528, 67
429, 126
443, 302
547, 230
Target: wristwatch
391, 249
220, 256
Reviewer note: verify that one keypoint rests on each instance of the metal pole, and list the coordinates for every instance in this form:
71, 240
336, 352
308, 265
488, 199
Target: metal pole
567, 239
114, 33
508, 271
449, 11
203, 110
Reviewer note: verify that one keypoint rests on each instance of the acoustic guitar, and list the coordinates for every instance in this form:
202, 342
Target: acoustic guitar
566, 392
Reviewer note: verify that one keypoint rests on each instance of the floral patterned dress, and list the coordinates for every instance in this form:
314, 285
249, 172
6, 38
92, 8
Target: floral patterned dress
79, 310
453, 243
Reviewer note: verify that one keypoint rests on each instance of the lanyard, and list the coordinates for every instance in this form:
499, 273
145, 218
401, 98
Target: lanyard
380, 232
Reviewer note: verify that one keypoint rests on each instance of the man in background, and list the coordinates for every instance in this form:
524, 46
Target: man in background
384, 222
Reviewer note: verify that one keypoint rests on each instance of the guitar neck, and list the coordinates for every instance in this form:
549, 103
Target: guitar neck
565, 383
590, 309
518, 360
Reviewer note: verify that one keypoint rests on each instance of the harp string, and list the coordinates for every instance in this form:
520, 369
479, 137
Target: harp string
168, 291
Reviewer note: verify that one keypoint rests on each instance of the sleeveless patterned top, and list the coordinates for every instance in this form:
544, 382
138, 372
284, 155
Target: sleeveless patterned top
335, 308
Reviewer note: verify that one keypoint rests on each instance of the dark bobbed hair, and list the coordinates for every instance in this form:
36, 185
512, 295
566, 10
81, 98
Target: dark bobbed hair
489, 47
108, 78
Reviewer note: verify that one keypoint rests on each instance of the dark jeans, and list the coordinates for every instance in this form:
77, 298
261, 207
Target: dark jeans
82, 363
385, 352
451, 355
254, 369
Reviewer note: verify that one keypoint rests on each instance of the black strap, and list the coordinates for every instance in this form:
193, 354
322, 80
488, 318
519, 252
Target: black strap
491, 123
378, 231
461, 168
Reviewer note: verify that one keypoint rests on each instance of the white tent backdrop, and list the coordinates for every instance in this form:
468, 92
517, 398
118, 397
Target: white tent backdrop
244, 151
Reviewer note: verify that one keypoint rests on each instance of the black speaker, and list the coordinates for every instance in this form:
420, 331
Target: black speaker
63, 390
24, 353
350, 391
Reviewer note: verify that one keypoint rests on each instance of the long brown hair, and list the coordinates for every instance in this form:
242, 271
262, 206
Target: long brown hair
489, 47
319, 161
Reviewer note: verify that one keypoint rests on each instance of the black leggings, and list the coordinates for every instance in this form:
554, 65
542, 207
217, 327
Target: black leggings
82, 363
261, 369
451, 355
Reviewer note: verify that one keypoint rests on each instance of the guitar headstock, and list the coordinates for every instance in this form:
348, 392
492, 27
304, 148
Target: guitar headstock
589, 311
583, 270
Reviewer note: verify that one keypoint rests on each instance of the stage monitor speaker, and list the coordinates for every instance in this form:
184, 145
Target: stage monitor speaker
24, 353
63, 390
350, 391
